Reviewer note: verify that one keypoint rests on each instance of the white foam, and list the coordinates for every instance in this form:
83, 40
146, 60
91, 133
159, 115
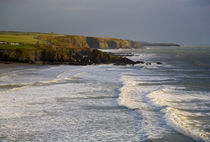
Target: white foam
75, 111
184, 112
20, 79
135, 97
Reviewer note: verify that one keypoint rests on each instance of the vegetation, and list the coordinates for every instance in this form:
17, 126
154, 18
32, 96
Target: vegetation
23, 37
56, 49
50, 55
71, 41
17, 37
16, 46
51, 48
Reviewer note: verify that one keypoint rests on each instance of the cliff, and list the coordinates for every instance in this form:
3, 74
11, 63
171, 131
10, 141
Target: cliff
71, 41
70, 56
43, 48
51, 48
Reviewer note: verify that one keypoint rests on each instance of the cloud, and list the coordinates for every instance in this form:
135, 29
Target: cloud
202, 2
183, 21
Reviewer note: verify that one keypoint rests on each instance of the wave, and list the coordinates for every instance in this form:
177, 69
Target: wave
186, 112
62, 78
162, 109
132, 96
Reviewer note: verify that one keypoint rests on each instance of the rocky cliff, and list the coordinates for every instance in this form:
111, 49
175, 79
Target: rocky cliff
71, 41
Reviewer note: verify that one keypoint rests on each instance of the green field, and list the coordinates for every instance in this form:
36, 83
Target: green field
21, 38
24, 37
16, 46
54, 48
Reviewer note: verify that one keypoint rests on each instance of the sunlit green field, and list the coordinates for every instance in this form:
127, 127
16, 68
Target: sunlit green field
57, 48
21, 38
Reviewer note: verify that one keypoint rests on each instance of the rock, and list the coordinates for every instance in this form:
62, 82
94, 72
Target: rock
124, 61
71, 56
159, 63
139, 62
123, 54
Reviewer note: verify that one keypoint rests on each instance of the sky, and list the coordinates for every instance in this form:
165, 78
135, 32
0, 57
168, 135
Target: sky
185, 22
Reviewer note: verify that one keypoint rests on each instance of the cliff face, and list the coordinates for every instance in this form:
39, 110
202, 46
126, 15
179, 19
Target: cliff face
70, 41
49, 55
73, 41
60, 49
111, 43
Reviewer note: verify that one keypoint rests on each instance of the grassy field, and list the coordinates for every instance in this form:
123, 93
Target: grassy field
22, 37
54, 48
19, 38
66, 41
16, 46
27, 38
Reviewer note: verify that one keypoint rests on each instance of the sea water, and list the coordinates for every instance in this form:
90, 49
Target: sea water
154, 102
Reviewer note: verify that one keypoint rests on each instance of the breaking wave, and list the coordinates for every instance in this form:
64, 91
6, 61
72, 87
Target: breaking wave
164, 109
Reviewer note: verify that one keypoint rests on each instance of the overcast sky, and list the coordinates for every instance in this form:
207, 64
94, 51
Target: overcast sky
181, 21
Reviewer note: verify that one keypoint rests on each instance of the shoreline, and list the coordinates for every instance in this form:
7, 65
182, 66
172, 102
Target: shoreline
68, 56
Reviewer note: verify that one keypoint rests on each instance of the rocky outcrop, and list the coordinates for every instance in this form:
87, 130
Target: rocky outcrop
61, 56
65, 49
89, 42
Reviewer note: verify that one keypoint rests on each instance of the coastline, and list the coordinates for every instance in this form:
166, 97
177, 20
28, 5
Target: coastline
51, 48
61, 56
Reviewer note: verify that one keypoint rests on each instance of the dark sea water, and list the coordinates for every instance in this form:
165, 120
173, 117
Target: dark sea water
174, 95
168, 102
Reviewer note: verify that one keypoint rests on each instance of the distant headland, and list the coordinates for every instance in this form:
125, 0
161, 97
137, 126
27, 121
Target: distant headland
51, 48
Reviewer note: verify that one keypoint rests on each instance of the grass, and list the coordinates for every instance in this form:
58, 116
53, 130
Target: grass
57, 48
16, 47
23, 37
29, 39
65, 41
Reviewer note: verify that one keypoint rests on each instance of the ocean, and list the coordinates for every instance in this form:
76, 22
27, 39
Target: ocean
138, 103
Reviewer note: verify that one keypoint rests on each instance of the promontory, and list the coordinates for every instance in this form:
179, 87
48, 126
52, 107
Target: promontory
51, 48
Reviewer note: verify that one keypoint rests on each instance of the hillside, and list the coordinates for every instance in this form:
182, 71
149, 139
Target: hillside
60, 49
69, 41
51, 48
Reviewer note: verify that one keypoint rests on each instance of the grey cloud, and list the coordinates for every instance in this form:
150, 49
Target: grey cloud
202, 2
145, 20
